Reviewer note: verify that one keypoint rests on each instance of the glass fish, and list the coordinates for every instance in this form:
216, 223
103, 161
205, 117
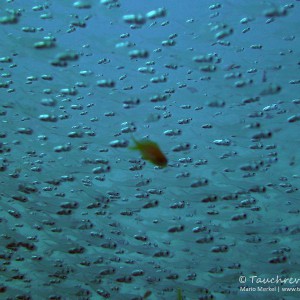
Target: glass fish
147, 295
150, 151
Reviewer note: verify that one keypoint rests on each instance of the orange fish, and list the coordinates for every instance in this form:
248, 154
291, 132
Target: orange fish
150, 151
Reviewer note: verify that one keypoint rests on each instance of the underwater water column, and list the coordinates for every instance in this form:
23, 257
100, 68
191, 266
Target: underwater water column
206, 92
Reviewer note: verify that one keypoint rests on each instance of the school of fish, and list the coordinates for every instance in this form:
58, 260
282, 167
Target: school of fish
208, 95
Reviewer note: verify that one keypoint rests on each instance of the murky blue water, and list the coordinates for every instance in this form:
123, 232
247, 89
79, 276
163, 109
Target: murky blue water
214, 86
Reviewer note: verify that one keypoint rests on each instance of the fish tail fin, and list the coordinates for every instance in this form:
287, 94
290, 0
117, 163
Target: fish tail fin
135, 146
133, 138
